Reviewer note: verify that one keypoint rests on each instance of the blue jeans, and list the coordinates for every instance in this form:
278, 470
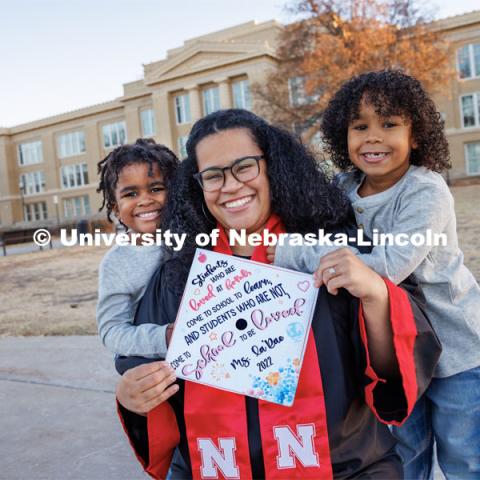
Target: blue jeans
448, 414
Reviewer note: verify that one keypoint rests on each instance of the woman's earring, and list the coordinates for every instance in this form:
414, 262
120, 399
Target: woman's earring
210, 218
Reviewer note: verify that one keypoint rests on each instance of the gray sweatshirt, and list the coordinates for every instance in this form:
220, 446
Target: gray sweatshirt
420, 200
123, 277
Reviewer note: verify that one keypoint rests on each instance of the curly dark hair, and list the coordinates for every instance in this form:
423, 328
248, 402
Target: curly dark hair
144, 150
301, 194
390, 92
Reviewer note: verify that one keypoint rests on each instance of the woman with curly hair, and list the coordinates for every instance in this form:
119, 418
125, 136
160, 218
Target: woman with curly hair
370, 351
384, 131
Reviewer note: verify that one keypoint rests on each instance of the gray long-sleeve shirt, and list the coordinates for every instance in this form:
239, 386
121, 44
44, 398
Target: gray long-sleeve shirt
419, 201
124, 274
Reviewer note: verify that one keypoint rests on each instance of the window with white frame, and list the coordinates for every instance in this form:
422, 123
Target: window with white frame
30, 153
472, 156
182, 108
35, 211
470, 106
182, 146
70, 144
114, 134
147, 118
468, 61
76, 206
241, 94
298, 93
74, 175
211, 100
32, 182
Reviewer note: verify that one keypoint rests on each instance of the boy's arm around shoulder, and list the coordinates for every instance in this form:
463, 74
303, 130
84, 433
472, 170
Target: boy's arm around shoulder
305, 258
114, 295
425, 207
115, 315
158, 306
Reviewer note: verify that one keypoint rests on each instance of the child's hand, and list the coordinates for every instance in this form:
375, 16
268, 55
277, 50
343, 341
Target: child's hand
144, 387
271, 253
343, 269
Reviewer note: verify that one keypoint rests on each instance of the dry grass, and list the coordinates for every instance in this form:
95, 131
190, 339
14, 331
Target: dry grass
54, 292
467, 203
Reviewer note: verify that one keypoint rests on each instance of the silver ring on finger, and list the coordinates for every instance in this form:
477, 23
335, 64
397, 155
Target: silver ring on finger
332, 271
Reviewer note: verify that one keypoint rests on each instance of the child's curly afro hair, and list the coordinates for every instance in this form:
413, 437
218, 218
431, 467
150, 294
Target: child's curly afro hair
390, 92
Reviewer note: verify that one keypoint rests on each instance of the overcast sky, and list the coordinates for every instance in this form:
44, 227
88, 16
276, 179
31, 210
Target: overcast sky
60, 55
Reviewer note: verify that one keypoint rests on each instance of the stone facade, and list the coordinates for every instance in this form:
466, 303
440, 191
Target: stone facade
463, 32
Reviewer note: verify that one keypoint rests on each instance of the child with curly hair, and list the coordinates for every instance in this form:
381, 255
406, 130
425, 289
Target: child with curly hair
133, 180
383, 131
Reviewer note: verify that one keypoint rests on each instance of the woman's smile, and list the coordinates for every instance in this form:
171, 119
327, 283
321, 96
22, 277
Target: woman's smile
239, 204
236, 205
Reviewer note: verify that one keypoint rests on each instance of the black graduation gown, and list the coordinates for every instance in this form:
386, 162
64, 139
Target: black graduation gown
357, 404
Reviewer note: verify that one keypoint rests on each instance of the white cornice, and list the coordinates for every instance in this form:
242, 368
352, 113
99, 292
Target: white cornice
457, 21
64, 117
228, 34
237, 51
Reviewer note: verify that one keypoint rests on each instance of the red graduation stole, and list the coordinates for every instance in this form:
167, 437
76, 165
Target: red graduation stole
294, 439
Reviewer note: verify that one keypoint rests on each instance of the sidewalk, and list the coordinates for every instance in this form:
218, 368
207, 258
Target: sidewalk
58, 412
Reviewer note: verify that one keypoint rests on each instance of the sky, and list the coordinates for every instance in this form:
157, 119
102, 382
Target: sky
61, 55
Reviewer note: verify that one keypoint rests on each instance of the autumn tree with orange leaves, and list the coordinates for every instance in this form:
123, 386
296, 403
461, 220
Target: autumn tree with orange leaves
334, 40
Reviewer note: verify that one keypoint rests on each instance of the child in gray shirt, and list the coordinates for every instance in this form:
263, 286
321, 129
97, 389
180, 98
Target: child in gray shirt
384, 131
123, 277
133, 181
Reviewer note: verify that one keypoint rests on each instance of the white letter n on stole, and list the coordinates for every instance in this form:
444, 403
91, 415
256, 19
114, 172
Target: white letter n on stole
291, 446
213, 458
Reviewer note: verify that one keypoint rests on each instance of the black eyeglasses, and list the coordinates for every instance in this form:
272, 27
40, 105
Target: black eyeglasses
243, 170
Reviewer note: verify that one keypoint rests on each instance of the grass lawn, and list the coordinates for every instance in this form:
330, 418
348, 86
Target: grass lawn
53, 292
